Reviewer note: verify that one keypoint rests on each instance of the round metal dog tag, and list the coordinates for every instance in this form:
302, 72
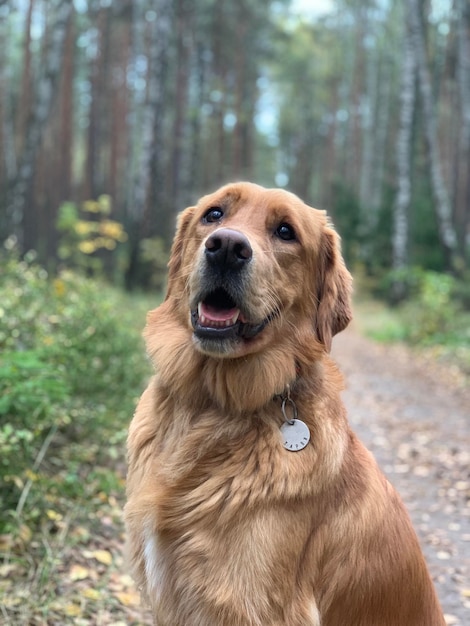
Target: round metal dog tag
295, 435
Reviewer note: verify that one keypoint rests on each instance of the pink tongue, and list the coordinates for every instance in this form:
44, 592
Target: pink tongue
215, 314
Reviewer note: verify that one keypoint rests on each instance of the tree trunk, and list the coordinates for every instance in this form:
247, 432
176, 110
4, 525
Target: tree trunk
8, 166
25, 102
148, 216
120, 96
463, 159
447, 234
45, 90
176, 177
94, 183
403, 165
385, 88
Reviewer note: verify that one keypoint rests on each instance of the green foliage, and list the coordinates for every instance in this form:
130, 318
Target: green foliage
434, 311
86, 232
71, 366
154, 252
31, 387
346, 217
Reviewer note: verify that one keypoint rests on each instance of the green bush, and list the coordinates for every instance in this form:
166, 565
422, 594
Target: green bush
71, 367
434, 311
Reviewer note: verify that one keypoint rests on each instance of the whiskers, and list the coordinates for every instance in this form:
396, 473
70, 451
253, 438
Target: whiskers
273, 304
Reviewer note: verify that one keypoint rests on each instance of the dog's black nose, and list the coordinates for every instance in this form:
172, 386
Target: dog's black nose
229, 248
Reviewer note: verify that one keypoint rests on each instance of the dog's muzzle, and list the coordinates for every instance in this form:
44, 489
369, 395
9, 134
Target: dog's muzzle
220, 313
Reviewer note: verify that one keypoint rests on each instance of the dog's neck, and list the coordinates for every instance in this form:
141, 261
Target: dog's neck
238, 385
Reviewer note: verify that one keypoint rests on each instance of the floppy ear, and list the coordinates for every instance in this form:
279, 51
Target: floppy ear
334, 290
177, 248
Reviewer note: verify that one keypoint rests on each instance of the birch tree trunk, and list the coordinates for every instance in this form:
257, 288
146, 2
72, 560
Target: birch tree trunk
25, 101
147, 187
463, 165
178, 167
8, 164
45, 90
403, 164
447, 233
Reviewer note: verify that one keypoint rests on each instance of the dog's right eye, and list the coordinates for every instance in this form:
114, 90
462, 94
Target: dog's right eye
214, 214
285, 232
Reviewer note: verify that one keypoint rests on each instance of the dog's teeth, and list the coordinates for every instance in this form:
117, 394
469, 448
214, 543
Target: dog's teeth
202, 319
234, 318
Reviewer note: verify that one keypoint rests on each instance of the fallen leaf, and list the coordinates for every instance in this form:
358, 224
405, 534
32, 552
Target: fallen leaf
7, 569
78, 572
102, 556
53, 515
128, 598
6, 542
91, 594
25, 533
10, 601
73, 610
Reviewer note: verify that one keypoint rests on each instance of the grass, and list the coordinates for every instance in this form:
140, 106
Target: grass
378, 321
448, 344
72, 367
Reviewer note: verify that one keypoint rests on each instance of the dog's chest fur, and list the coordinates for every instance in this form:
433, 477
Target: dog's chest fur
222, 572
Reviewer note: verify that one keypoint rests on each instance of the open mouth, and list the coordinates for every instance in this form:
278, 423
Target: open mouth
217, 316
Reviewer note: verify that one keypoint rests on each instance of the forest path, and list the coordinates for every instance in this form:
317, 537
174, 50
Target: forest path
415, 418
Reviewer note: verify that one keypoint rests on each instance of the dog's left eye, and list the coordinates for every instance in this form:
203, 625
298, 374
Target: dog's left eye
214, 214
285, 232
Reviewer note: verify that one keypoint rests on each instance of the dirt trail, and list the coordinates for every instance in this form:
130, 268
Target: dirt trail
416, 422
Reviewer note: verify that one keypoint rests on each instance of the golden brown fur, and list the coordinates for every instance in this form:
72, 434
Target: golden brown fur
225, 526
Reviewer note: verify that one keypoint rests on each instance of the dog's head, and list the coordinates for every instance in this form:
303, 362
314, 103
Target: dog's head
249, 262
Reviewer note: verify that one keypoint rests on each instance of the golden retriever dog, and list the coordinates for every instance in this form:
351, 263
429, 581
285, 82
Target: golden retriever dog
250, 500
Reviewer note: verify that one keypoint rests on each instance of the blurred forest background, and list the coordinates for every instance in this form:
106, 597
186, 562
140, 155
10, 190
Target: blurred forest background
116, 115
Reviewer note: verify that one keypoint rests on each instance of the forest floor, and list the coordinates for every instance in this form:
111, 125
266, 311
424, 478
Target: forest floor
411, 412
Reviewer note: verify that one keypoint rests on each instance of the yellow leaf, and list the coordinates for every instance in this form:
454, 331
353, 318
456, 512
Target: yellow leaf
128, 598
91, 206
78, 572
92, 594
53, 515
73, 610
32, 476
126, 580
9, 602
102, 556
59, 287
466, 593
25, 533
18, 482
87, 247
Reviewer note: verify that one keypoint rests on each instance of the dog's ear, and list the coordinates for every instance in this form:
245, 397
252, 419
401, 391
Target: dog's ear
333, 290
177, 248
